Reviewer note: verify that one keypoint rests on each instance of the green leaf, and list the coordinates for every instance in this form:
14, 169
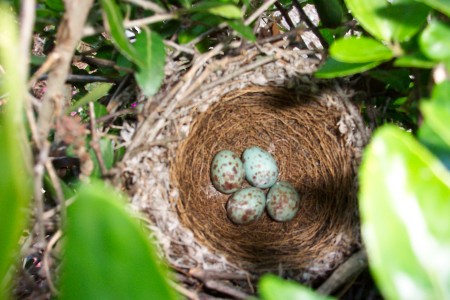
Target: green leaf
272, 287
414, 60
440, 5
395, 20
114, 20
150, 48
404, 202
330, 12
57, 5
107, 152
106, 253
435, 41
227, 11
224, 10
242, 29
434, 132
333, 68
359, 50
98, 91
15, 178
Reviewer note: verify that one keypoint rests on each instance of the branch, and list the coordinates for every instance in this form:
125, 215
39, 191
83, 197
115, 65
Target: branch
353, 266
68, 36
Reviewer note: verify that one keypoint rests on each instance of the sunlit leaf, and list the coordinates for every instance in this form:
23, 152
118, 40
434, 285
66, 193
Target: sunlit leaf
272, 287
224, 10
114, 19
150, 48
242, 29
405, 204
106, 253
359, 50
395, 20
15, 178
333, 68
435, 41
440, 5
99, 90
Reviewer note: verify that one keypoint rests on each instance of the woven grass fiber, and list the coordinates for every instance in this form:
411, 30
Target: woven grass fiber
264, 97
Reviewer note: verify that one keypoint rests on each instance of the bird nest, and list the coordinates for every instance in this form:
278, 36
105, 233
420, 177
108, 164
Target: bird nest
265, 96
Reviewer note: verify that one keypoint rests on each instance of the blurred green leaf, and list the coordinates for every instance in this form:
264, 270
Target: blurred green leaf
150, 48
435, 41
272, 287
224, 10
333, 68
414, 60
359, 50
405, 204
397, 79
100, 110
440, 5
106, 253
395, 20
98, 91
114, 19
331, 12
434, 132
107, 152
57, 5
242, 29
15, 178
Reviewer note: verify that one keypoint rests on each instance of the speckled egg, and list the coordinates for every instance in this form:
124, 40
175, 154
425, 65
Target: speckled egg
227, 172
246, 205
260, 167
283, 202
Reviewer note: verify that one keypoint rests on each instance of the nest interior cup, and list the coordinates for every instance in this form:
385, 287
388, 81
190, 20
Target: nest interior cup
303, 136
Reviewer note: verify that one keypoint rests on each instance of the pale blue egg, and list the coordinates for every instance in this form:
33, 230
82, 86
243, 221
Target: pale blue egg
283, 202
260, 167
246, 205
227, 172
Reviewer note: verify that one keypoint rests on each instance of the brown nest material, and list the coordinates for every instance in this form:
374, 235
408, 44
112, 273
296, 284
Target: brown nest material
265, 97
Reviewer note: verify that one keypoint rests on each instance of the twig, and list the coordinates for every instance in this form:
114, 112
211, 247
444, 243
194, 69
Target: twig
114, 103
181, 48
73, 78
67, 38
149, 20
185, 292
259, 12
226, 289
27, 17
46, 262
119, 113
59, 193
259, 62
148, 5
309, 23
285, 15
39, 205
206, 275
102, 63
95, 142
354, 265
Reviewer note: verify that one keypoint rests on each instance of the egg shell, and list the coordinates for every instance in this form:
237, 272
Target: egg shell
246, 205
227, 172
260, 167
283, 202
